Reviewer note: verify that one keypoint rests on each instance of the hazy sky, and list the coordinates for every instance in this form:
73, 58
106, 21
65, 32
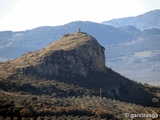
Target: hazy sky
19, 15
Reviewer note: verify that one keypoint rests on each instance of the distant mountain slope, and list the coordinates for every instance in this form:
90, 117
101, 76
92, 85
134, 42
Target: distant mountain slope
147, 20
138, 59
131, 30
17, 43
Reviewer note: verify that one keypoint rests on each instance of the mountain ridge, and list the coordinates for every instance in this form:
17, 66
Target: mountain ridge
22, 42
144, 21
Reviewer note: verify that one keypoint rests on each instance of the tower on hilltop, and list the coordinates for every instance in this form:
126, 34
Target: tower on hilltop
79, 30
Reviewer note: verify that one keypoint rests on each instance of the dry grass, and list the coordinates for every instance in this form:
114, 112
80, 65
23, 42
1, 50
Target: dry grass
25, 112
70, 42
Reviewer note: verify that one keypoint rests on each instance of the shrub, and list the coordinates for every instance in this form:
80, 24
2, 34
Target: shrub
15, 118
102, 113
58, 111
7, 118
25, 112
23, 118
78, 110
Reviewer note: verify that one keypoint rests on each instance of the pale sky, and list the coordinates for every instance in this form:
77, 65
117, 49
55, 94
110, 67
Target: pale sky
17, 15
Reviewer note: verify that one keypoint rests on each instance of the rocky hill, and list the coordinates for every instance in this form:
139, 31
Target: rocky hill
145, 21
70, 69
77, 54
74, 54
140, 56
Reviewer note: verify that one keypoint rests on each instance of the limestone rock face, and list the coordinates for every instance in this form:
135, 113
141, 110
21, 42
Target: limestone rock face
74, 54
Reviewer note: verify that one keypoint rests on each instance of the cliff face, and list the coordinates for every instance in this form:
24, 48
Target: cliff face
74, 54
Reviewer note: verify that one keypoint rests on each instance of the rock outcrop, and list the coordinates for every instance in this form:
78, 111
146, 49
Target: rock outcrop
74, 54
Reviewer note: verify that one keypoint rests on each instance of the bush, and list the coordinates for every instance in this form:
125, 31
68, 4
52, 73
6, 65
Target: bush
58, 111
7, 118
15, 118
102, 113
25, 112
78, 110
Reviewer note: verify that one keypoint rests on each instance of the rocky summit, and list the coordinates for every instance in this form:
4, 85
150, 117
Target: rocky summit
72, 55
